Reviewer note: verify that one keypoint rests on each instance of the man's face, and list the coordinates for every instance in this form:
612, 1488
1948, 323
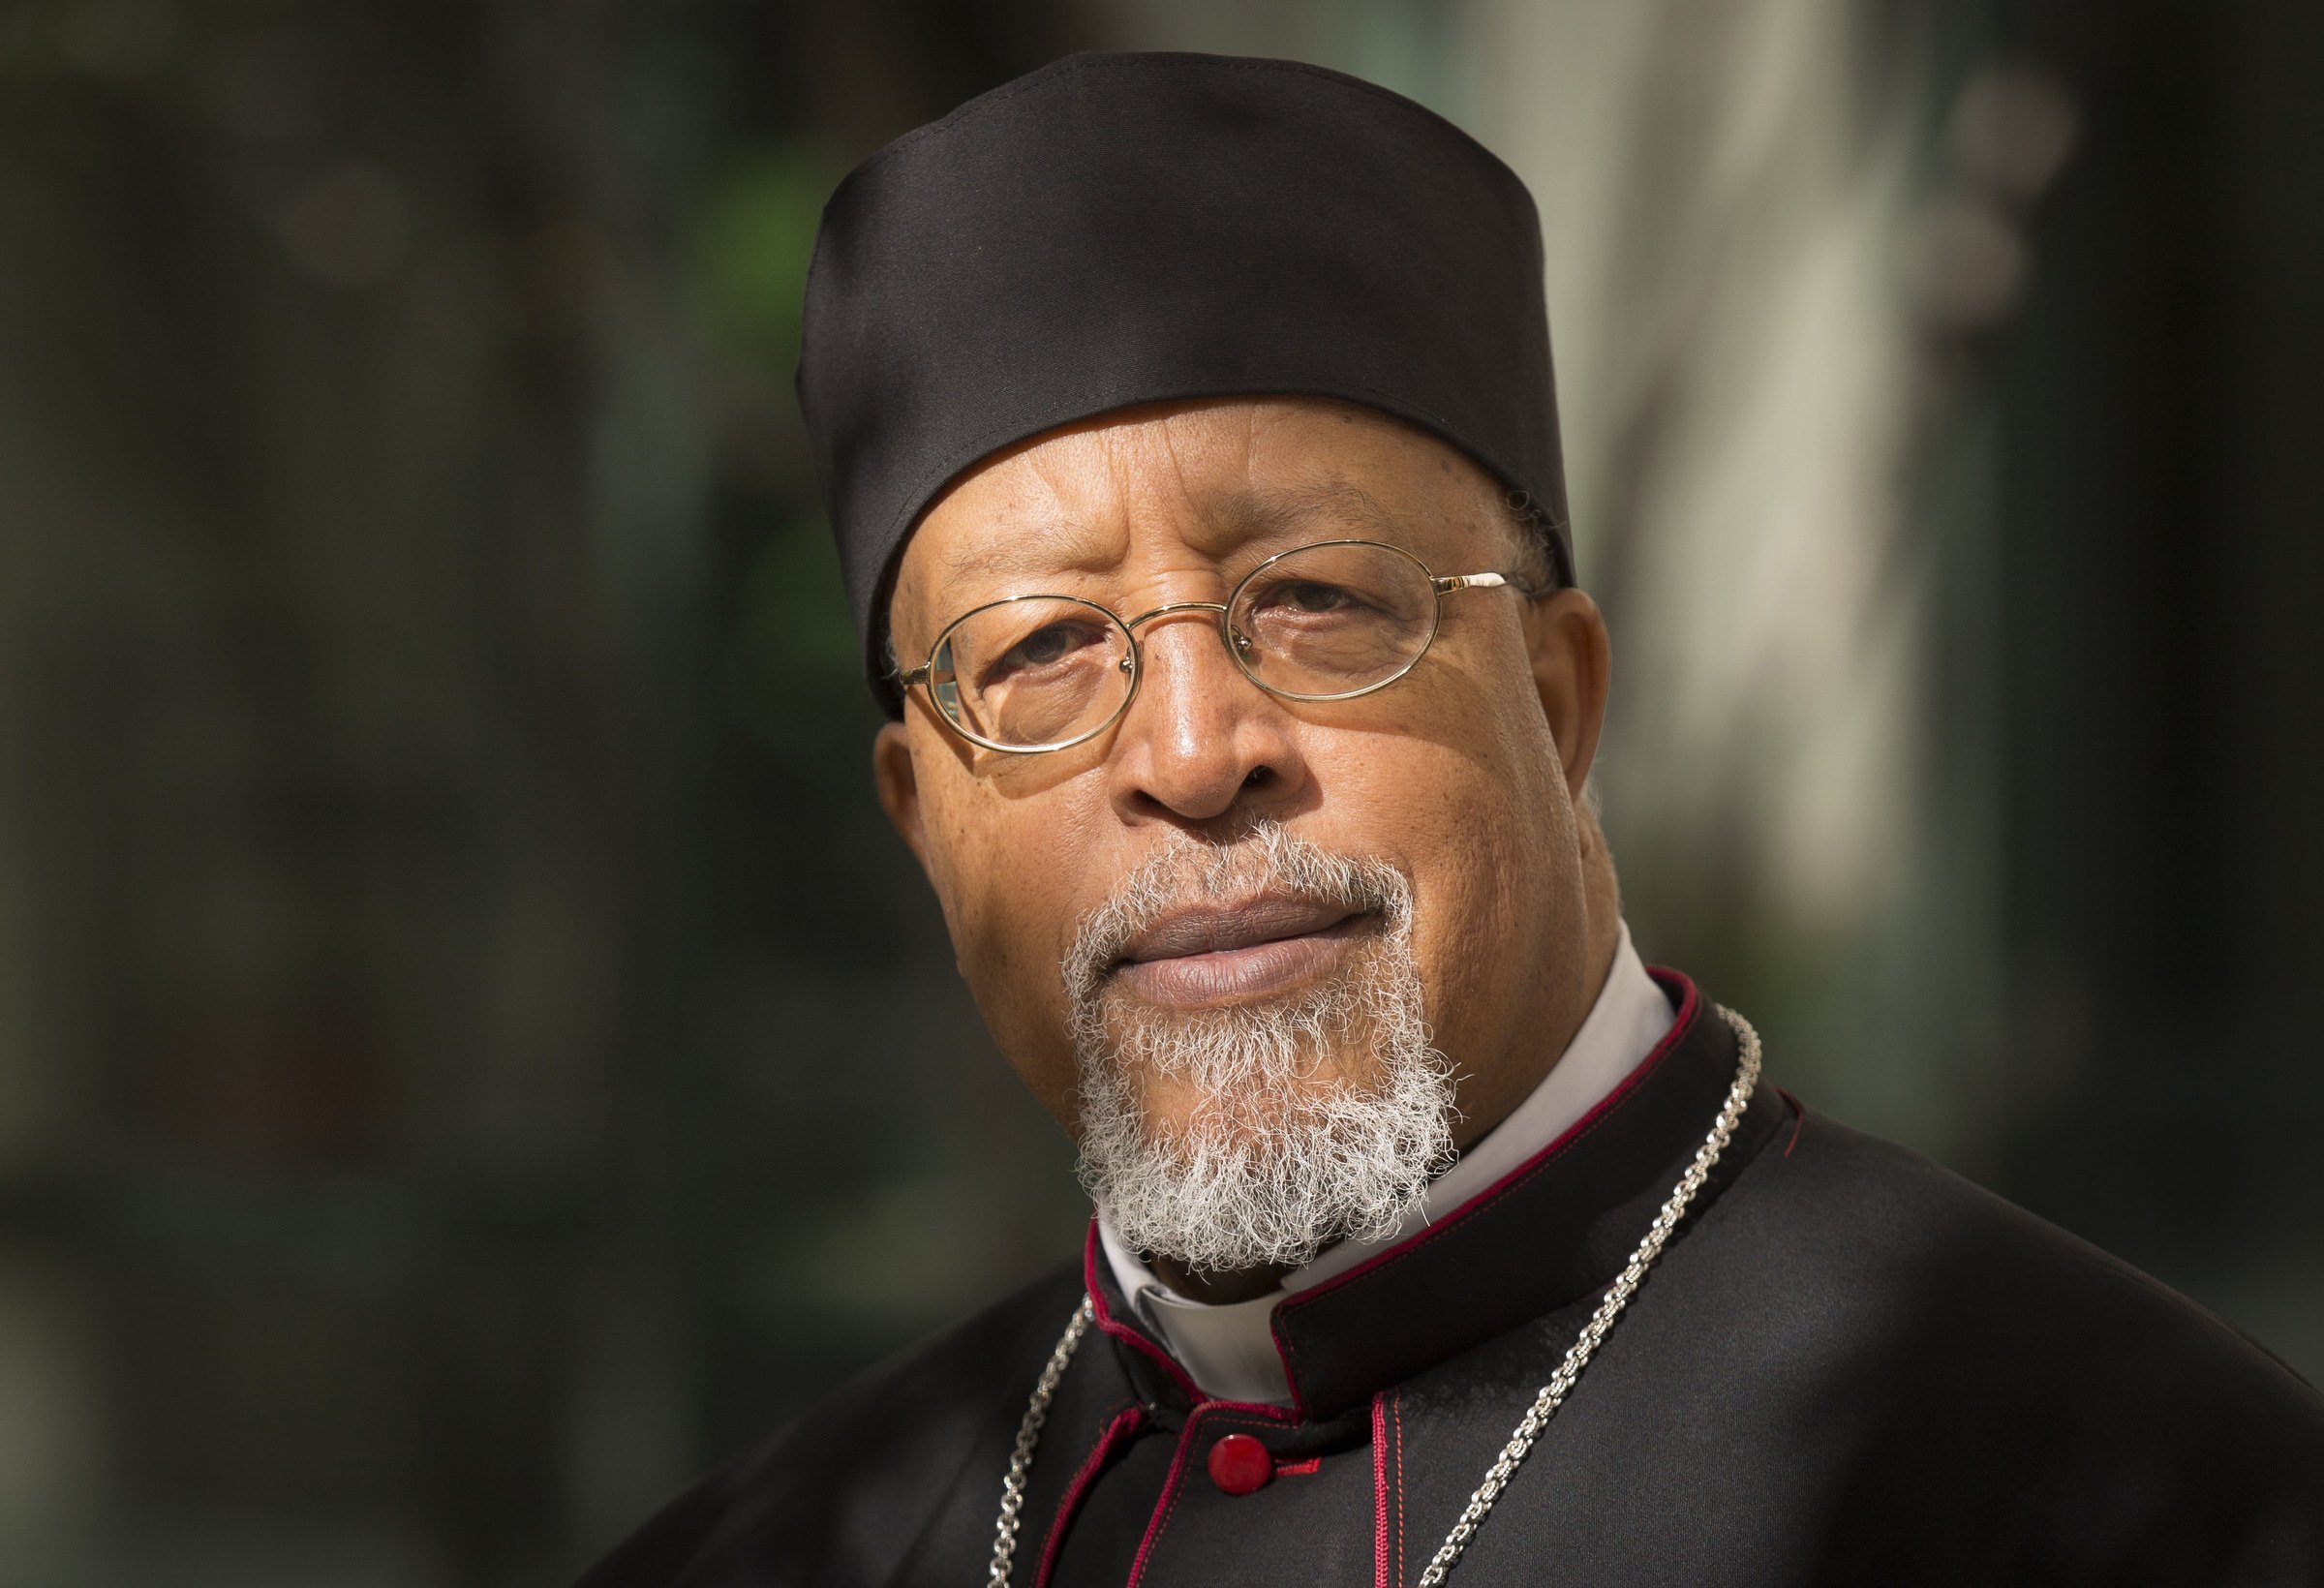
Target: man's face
1136, 913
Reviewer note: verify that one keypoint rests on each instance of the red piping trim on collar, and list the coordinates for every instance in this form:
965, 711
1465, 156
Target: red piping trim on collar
1250, 1408
1800, 1118
1380, 1576
1163, 1506
1108, 1323
1689, 1007
1124, 1423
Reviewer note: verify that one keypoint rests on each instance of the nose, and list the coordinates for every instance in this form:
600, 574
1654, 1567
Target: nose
1201, 742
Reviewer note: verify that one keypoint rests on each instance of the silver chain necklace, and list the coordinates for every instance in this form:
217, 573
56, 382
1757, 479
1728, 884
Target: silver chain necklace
1529, 1426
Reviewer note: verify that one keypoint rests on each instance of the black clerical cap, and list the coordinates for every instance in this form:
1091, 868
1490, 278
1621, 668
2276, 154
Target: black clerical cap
1123, 229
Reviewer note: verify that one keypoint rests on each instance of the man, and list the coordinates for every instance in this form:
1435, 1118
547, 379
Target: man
1190, 441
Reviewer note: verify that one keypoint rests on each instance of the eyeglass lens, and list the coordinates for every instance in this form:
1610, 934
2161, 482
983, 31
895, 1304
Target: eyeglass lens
1333, 619
1032, 673
1321, 622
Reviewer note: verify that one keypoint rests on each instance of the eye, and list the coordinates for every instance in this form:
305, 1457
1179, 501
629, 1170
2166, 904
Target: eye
1045, 647
1309, 597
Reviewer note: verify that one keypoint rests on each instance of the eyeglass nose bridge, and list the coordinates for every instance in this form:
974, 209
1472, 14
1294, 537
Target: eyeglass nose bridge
1237, 643
1131, 624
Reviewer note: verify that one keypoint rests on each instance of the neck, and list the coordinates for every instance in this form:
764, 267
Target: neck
1218, 1289
1538, 1037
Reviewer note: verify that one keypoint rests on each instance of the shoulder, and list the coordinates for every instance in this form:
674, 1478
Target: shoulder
1868, 1225
2102, 1425
1880, 1226
842, 1494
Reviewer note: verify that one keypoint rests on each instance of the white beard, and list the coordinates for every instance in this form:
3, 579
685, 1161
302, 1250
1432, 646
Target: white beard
1274, 1164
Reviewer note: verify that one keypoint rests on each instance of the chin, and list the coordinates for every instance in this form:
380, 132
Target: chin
1175, 1107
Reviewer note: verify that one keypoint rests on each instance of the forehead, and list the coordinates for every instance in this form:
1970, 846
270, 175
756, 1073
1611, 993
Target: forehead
1205, 480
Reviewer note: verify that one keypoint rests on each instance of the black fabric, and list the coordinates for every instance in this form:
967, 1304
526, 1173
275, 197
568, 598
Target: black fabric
1554, 1230
1850, 1366
1116, 230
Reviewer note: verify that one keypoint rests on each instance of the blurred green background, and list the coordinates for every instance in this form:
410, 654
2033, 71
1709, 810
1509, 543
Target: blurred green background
471, 1052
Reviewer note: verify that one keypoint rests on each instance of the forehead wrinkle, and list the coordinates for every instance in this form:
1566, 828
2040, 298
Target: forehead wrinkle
1039, 544
1187, 491
1342, 508
1037, 532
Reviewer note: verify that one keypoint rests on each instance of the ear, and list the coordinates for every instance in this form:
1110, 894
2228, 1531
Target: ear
898, 786
1573, 664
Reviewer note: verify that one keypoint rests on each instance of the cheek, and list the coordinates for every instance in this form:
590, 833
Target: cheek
999, 909
1466, 792
1007, 873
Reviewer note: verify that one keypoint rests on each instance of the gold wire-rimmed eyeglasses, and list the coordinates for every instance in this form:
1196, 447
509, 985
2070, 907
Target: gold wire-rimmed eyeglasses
1324, 622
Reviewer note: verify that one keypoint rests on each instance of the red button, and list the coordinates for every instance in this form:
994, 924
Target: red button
1241, 1465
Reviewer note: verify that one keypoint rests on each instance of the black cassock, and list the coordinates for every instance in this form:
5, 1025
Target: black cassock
1850, 1366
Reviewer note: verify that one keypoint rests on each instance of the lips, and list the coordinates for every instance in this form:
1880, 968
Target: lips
1217, 955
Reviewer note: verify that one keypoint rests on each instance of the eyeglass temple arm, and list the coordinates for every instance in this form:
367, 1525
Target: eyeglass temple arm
1447, 584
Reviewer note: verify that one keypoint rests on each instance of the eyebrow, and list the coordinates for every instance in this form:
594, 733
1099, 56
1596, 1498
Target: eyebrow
1050, 544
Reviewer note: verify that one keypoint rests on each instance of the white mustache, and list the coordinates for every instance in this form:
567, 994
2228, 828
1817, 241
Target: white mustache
1186, 873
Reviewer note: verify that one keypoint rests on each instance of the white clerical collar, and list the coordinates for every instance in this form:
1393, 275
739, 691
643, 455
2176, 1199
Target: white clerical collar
1230, 1351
